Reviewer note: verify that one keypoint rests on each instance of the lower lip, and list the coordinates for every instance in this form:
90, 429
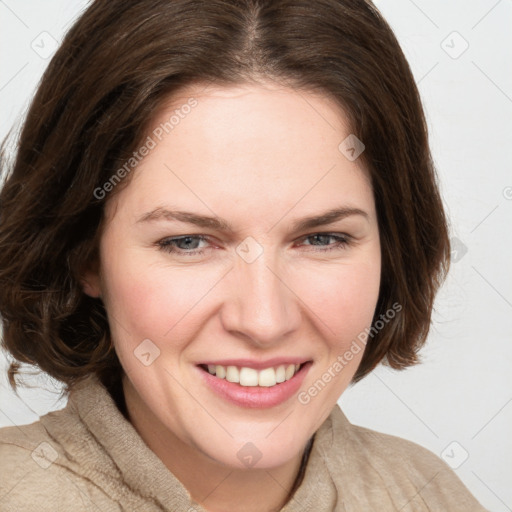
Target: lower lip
255, 396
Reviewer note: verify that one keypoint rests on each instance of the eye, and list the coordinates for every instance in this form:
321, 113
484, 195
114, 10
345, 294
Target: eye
186, 245
189, 245
322, 240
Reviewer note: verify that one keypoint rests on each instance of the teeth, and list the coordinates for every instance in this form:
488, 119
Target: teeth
280, 374
232, 374
244, 376
248, 377
290, 370
267, 377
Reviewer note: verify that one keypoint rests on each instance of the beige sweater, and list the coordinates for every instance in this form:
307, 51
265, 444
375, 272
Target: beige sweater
88, 457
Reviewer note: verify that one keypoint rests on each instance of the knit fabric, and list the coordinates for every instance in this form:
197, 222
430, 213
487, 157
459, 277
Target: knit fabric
88, 458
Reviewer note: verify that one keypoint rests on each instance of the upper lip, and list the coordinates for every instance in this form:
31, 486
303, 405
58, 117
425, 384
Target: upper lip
257, 365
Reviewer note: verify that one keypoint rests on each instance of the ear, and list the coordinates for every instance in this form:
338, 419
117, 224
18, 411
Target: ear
91, 281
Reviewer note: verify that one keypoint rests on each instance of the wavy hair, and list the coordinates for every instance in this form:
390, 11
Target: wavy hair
116, 65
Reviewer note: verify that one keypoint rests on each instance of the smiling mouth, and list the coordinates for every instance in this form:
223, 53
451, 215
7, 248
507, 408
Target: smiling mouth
250, 377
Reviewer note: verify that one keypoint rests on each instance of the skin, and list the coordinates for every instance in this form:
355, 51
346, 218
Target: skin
260, 157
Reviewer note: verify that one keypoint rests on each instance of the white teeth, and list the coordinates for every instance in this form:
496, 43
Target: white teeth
280, 374
245, 376
267, 377
290, 370
248, 377
232, 374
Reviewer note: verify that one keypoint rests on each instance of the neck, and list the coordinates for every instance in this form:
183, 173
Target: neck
215, 486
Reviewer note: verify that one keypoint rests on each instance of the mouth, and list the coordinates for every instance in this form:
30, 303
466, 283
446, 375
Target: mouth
252, 377
248, 387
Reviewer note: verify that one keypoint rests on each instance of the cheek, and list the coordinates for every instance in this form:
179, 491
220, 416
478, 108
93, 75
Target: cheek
343, 299
150, 301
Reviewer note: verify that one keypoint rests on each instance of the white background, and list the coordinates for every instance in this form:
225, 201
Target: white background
459, 402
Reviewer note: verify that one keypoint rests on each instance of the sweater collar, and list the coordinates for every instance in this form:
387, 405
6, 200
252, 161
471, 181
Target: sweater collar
131, 462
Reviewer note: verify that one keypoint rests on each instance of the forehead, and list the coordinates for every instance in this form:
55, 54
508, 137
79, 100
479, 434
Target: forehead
257, 114
260, 145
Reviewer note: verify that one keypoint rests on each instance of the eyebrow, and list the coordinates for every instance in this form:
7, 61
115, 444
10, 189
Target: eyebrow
217, 223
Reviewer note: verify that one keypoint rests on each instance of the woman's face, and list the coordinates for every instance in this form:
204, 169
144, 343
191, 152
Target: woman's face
204, 261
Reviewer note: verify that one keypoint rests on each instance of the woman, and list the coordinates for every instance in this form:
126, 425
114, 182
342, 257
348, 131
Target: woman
220, 215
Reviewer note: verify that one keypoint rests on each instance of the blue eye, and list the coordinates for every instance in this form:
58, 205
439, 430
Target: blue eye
187, 244
321, 240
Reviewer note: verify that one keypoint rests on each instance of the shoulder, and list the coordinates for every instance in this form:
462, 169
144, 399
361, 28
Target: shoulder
23, 449
33, 475
401, 455
396, 450
409, 472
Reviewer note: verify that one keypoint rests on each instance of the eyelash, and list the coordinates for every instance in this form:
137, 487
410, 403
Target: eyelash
342, 241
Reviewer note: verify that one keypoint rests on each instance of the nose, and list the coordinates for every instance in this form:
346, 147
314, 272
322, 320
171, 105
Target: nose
260, 304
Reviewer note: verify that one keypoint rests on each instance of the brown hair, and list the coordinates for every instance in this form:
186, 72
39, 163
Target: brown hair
116, 65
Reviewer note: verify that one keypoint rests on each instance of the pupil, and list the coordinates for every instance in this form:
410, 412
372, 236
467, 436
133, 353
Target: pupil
188, 242
321, 239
